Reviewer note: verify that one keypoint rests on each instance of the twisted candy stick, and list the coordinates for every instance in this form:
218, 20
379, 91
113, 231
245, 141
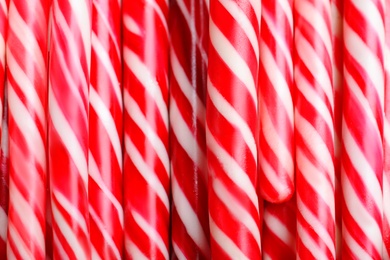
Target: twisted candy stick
362, 125
27, 92
189, 40
279, 227
314, 130
68, 127
4, 179
105, 132
146, 166
231, 127
276, 107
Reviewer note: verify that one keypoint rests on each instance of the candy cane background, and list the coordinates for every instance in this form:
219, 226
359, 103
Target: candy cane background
188, 61
146, 169
362, 161
105, 132
68, 127
231, 127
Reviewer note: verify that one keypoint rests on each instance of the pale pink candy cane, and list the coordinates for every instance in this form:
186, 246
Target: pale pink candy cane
362, 127
68, 127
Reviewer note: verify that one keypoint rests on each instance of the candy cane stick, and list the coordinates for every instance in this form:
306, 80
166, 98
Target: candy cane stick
276, 107
68, 127
189, 40
279, 227
362, 126
105, 132
231, 127
146, 166
27, 93
314, 127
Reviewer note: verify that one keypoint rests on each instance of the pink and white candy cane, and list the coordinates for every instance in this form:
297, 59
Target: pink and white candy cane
3, 174
314, 130
362, 127
105, 132
68, 127
27, 99
276, 159
386, 138
146, 168
231, 129
279, 228
188, 59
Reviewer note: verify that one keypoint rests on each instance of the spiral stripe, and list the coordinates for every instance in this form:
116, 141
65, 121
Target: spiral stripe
105, 132
232, 153
146, 165
188, 61
314, 113
276, 163
68, 127
363, 106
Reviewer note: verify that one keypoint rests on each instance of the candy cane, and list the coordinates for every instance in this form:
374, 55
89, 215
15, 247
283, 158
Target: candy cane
105, 132
276, 107
279, 228
314, 127
188, 60
68, 127
362, 126
231, 127
146, 166
27, 93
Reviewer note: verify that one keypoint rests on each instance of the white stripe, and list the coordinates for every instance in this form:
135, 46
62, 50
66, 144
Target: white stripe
310, 244
142, 122
95, 175
236, 209
94, 254
242, 19
22, 248
187, 140
3, 5
146, 172
188, 217
148, 80
178, 253
272, 177
59, 248
226, 244
287, 11
233, 60
159, 12
107, 237
68, 234
232, 116
134, 251
256, 5
279, 229
151, 233
131, 25
102, 54
68, 137
105, 117
3, 224
232, 169
188, 89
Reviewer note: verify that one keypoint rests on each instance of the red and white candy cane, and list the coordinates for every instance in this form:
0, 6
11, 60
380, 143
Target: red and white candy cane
279, 228
68, 127
362, 127
386, 138
314, 130
276, 159
4, 179
188, 60
105, 132
27, 100
146, 168
231, 129
4, 174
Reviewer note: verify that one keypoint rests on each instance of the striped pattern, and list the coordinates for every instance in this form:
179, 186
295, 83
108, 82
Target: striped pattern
4, 180
27, 92
386, 138
276, 161
146, 165
314, 130
231, 127
279, 228
68, 127
362, 161
188, 61
105, 132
